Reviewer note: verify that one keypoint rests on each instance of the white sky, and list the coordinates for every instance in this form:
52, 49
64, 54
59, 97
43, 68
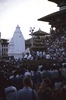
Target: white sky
24, 13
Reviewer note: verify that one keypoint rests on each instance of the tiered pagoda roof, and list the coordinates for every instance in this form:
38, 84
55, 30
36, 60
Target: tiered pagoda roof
59, 2
57, 18
37, 40
39, 33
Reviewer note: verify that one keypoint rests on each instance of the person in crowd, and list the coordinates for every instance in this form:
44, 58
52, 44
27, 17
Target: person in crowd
56, 94
36, 78
2, 86
27, 93
10, 91
63, 93
14, 79
45, 90
47, 94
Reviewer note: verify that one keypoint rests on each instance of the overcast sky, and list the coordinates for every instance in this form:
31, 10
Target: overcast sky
24, 13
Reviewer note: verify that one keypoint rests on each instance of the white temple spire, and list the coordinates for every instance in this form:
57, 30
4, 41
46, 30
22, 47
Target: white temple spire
17, 44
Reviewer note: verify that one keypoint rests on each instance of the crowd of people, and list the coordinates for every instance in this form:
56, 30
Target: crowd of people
19, 81
55, 49
35, 82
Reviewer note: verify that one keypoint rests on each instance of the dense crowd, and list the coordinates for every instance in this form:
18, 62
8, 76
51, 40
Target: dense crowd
55, 49
44, 83
39, 82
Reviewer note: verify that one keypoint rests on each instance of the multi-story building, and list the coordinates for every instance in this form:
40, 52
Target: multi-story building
4, 46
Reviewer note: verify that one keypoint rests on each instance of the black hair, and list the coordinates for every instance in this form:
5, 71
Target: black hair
27, 81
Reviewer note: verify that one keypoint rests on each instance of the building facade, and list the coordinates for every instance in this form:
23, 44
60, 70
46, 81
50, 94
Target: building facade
4, 48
